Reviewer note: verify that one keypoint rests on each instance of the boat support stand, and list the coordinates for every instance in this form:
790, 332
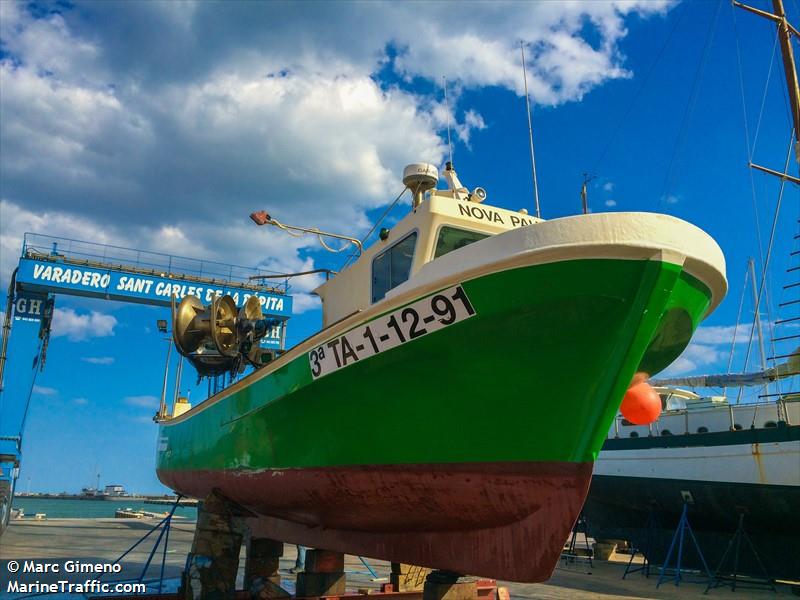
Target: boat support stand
213, 564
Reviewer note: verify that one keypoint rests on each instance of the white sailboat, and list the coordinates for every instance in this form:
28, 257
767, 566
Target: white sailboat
721, 457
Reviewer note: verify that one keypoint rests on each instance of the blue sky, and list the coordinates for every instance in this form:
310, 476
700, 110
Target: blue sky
161, 126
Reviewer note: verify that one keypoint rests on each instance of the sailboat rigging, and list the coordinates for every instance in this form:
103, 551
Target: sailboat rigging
725, 457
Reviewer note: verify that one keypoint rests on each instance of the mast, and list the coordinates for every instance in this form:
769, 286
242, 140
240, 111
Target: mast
785, 31
585, 193
790, 70
757, 317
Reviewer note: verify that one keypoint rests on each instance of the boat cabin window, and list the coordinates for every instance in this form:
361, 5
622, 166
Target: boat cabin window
392, 266
452, 238
672, 402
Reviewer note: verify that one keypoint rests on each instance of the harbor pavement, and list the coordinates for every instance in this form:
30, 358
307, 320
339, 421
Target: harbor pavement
104, 540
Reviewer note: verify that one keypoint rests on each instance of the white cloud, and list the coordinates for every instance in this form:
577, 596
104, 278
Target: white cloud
261, 107
695, 356
303, 302
608, 186
268, 248
671, 199
477, 44
611, 203
472, 121
142, 401
80, 401
98, 360
571, 47
15, 221
342, 140
142, 420
709, 349
44, 391
723, 334
80, 327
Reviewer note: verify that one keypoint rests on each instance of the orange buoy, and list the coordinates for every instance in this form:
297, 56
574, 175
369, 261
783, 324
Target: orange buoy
641, 404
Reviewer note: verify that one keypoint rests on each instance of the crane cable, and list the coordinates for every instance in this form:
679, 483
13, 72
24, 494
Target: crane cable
30, 394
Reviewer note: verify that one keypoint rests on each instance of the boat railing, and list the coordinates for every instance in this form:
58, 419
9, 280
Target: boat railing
694, 405
767, 412
79, 252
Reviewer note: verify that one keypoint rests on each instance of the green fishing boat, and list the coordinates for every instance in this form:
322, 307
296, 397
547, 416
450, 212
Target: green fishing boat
450, 410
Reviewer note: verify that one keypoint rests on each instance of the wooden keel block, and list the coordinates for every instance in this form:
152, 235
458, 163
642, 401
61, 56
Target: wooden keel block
261, 566
408, 578
265, 547
443, 585
267, 589
488, 590
320, 584
324, 561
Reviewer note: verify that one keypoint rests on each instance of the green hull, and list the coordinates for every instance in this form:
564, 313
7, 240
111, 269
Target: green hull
536, 374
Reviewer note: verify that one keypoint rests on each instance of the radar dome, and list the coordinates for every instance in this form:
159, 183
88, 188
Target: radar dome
419, 178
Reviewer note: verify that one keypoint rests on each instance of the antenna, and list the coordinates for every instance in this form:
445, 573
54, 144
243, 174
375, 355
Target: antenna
584, 193
447, 108
530, 131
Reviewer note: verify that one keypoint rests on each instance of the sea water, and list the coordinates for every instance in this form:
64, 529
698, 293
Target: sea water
74, 508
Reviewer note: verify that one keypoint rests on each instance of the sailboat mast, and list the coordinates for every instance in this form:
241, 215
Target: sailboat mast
757, 316
785, 31
790, 69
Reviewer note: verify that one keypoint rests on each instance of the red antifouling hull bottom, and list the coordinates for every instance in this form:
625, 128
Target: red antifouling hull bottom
499, 520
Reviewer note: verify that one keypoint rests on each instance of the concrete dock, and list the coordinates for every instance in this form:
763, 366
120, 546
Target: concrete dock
104, 540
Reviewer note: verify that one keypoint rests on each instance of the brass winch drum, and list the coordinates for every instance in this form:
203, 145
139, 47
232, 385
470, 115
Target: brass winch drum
190, 325
223, 326
218, 337
251, 311
193, 324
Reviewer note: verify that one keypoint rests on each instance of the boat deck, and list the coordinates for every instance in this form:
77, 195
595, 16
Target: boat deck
93, 540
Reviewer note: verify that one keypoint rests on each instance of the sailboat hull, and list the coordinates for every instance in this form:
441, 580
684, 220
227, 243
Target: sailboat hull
722, 474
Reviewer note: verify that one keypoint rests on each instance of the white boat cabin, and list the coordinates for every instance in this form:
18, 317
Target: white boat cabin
685, 412
440, 221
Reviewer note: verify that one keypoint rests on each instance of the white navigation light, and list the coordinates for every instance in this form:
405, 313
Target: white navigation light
419, 178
